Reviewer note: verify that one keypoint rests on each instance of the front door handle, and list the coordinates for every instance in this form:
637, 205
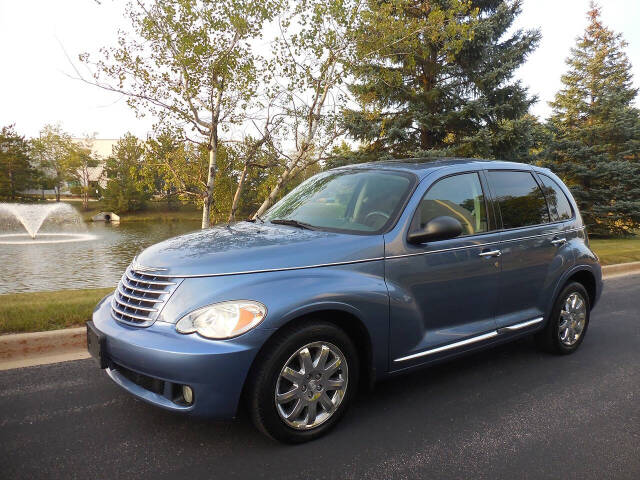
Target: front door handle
559, 241
490, 253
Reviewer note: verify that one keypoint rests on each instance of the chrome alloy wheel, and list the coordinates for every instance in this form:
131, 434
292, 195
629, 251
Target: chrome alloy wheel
311, 385
572, 319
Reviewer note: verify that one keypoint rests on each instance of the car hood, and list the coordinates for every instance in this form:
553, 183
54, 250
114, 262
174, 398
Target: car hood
253, 247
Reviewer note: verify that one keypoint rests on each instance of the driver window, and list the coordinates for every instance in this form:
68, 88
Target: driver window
379, 196
458, 196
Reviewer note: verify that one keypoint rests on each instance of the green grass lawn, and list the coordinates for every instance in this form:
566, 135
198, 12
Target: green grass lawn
617, 250
33, 312
39, 311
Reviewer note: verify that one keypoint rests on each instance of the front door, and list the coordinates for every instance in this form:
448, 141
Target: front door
443, 294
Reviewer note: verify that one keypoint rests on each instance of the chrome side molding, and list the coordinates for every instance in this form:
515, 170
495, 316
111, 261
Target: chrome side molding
450, 346
490, 253
518, 326
468, 341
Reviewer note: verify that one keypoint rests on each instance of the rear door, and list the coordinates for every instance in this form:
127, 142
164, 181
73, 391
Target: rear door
529, 247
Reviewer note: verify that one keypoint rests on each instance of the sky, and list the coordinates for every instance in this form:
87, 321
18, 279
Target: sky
39, 37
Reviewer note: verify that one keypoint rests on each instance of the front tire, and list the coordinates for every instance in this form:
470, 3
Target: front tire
569, 321
303, 382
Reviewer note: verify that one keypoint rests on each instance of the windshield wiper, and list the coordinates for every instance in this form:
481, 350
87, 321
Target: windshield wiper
293, 223
252, 220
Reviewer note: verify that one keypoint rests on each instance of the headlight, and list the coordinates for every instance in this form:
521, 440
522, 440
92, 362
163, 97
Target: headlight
223, 320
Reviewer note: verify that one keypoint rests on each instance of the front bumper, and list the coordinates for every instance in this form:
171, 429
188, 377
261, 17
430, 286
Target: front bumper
215, 370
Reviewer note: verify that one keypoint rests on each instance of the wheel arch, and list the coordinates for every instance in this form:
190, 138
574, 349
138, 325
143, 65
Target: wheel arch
582, 274
341, 315
588, 280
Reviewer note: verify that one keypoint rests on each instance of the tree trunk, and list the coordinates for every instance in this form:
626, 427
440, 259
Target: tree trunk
57, 189
425, 138
238, 194
12, 190
270, 200
211, 175
206, 208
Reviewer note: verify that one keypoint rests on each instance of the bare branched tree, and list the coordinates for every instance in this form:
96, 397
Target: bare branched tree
315, 43
189, 63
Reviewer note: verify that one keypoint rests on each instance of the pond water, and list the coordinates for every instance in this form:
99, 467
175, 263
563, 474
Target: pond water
87, 264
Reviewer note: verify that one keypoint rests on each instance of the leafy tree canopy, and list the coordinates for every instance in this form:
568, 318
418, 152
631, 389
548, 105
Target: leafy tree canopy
126, 189
52, 152
190, 64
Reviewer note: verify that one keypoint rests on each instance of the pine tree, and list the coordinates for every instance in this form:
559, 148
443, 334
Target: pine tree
596, 131
16, 171
436, 77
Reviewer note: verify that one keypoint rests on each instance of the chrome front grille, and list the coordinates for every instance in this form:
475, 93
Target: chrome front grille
139, 297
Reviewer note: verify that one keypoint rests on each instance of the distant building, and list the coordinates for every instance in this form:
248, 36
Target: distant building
101, 148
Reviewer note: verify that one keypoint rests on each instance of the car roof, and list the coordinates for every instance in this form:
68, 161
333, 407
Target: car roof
423, 166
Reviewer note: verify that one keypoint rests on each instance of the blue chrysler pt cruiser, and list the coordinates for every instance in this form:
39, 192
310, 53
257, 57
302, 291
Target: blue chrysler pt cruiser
357, 274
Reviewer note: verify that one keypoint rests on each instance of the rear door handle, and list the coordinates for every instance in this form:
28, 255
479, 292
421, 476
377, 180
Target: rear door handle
559, 241
490, 253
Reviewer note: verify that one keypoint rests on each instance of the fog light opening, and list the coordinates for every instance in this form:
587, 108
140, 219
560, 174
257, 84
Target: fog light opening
187, 394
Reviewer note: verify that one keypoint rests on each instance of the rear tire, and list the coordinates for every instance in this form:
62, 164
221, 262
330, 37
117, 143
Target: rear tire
303, 382
567, 327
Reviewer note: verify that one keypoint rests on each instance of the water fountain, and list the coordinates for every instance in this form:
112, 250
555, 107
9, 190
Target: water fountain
41, 223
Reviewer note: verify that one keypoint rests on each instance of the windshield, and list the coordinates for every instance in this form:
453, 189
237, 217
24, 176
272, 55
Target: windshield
363, 201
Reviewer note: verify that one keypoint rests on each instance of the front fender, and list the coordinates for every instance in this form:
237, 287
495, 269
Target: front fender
357, 289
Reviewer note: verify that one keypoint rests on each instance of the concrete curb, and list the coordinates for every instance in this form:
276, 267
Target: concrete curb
39, 348
26, 349
620, 269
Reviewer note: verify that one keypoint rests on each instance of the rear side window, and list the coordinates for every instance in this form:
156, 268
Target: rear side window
519, 198
460, 197
559, 205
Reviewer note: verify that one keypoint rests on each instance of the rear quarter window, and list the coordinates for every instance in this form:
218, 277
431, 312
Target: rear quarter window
559, 205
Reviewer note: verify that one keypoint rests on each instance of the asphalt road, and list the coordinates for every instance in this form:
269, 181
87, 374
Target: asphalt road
512, 412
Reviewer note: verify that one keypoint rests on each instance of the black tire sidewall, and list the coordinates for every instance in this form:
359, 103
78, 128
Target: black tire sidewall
264, 410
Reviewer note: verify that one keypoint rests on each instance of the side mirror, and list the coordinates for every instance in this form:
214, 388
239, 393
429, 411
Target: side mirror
439, 228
